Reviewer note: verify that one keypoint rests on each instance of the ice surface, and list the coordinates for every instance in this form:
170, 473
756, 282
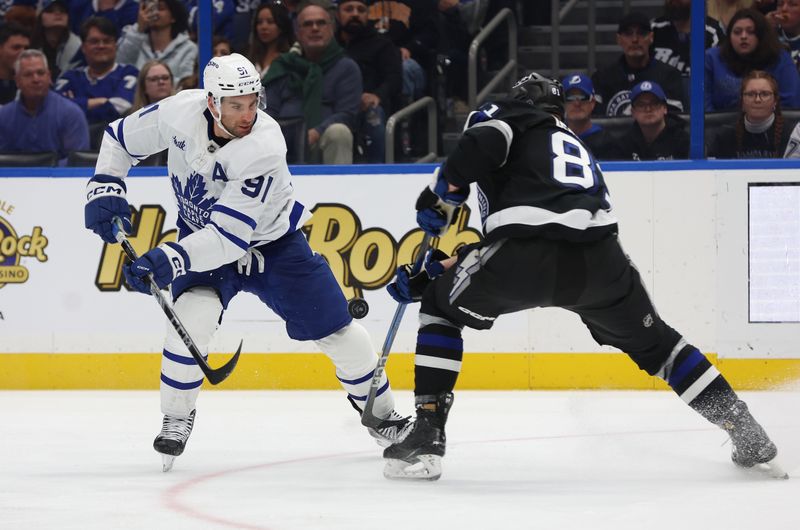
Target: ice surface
301, 460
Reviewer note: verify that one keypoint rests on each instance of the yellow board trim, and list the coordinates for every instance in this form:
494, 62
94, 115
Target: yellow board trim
285, 371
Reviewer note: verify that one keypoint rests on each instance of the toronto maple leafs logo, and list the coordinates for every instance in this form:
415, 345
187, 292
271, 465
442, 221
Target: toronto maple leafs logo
194, 200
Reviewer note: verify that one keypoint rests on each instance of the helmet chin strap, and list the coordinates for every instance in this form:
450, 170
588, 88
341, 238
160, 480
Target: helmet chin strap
218, 118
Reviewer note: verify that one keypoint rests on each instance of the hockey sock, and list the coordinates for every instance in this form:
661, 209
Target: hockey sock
352, 353
181, 378
692, 376
437, 362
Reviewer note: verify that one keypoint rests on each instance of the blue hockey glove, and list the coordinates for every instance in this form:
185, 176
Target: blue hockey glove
408, 285
165, 262
105, 196
436, 207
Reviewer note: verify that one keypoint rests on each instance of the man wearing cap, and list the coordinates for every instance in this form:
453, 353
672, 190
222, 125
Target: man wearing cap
654, 135
613, 83
580, 103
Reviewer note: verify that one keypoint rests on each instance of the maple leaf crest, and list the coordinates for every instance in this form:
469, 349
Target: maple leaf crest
195, 191
194, 200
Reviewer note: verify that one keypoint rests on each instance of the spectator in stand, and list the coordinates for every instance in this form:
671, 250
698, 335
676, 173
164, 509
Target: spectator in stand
454, 42
786, 20
671, 35
655, 134
271, 34
613, 84
160, 35
121, 12
723, 10
13, 40
319, 83
103, 89
220, 46
579, 96
245, 12
381, 72
221, 17
53, 36
22, 12
750, 44
40, 119
155, 83
759, 131
411, 26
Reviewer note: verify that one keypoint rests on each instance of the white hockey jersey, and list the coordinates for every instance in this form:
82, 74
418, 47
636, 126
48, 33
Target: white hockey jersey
233, 197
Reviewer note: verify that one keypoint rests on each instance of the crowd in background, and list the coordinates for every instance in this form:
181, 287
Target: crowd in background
334, 71
752, 60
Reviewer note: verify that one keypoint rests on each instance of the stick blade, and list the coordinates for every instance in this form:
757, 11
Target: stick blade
218, 375
368, 419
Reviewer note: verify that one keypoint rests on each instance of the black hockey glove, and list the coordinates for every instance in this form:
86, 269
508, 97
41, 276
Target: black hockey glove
409, 286
437, 207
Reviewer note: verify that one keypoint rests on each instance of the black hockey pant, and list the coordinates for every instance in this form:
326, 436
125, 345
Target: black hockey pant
595, 280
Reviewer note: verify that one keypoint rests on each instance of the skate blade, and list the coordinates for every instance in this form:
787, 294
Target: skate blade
167, 462
424, 467
772, 469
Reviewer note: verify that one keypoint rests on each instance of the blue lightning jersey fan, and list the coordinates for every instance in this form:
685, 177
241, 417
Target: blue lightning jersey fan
117, 86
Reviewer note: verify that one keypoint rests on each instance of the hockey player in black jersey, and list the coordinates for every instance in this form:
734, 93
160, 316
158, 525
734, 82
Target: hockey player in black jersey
550, 241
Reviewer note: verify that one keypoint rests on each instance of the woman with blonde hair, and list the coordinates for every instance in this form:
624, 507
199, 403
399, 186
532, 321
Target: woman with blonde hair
154, 84
759, 131
723, 10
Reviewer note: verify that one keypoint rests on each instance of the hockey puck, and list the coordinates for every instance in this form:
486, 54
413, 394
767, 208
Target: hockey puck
358, 308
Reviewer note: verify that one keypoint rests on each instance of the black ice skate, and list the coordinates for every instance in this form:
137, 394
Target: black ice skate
751, 445
172, 439
392, 430
419, 455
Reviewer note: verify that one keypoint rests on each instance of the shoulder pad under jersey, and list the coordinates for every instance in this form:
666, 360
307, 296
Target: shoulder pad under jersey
517, 114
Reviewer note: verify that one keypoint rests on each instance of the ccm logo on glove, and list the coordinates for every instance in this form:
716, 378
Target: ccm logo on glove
165, 263
105, 196
108, 189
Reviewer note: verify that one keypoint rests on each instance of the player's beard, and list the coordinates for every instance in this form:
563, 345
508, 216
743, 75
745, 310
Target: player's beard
237, 132
232, 127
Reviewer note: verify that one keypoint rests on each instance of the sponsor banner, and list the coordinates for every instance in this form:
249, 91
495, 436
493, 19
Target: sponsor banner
62, 292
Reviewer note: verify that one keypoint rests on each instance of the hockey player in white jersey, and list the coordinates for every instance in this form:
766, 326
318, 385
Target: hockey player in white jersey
238, 223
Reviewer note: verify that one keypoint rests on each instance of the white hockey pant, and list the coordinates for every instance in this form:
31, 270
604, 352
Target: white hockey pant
199, 310
352, 353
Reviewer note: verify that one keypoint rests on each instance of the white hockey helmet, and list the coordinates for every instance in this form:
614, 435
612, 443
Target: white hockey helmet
232, 75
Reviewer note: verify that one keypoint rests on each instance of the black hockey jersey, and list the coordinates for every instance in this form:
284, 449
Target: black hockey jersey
672, 48
614, 83
534, 177
671, 144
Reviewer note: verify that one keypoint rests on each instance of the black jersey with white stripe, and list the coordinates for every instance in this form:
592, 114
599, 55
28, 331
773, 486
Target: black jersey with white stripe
535, 178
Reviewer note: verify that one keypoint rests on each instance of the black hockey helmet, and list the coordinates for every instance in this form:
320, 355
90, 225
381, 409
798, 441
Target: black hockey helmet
541, 92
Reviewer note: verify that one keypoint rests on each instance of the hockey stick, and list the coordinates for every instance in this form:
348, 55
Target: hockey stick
214, 376
368, 419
